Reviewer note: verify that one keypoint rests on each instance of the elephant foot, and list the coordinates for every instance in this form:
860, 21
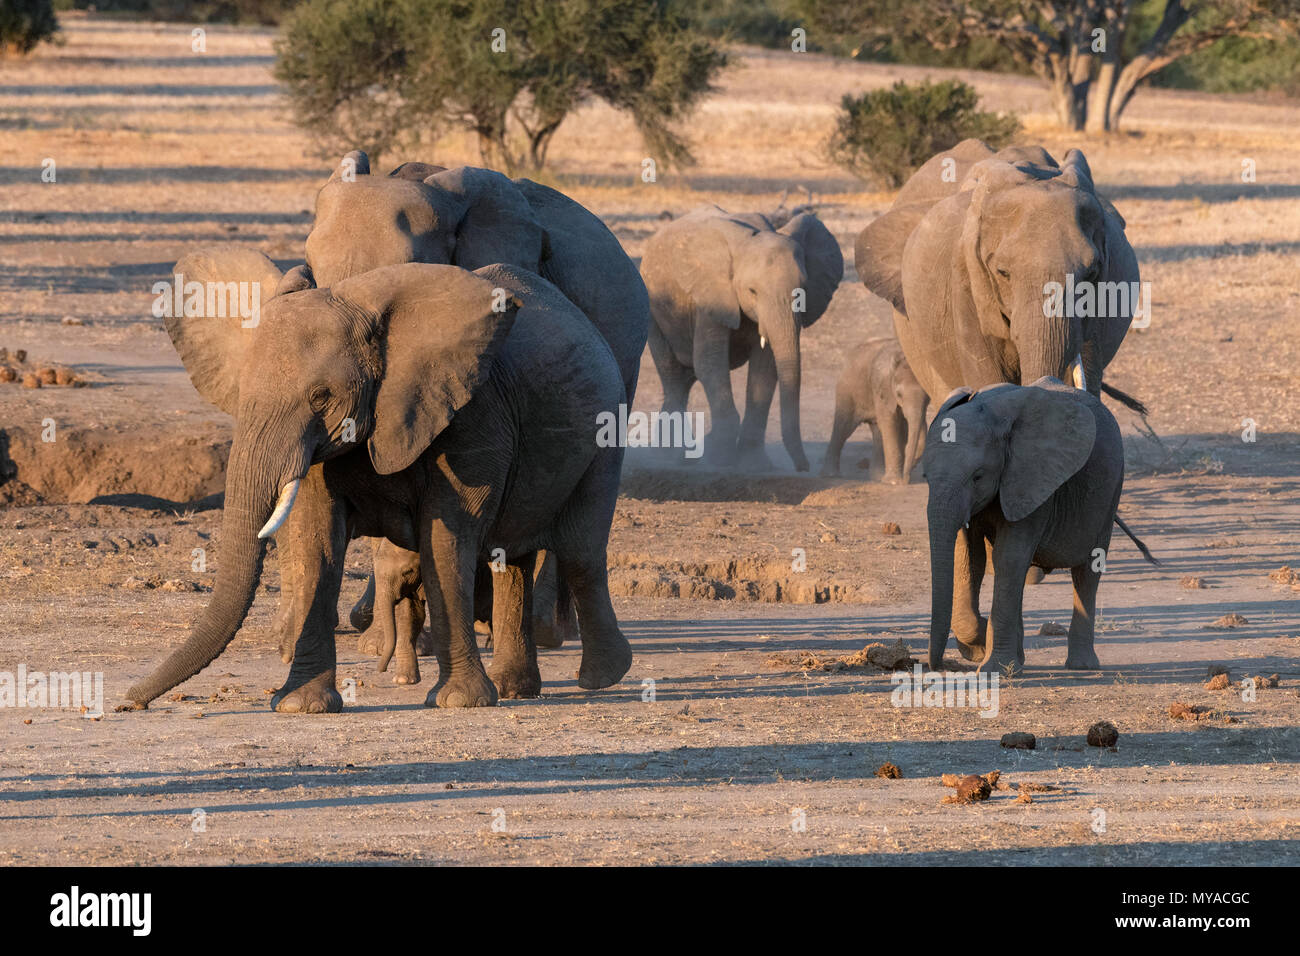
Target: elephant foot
517, 680
893, 478
1082, 660
467, 687
971, 652
605, 665
547, 635
370, 643
754, 458
1005, 664
317, 696
829, 470
407, 674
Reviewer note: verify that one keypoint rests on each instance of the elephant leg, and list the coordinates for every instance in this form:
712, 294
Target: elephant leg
318, 526
363, 612
1081, 655
554, 620
712, 357
1012, 552
675, 377
970, 627
514, 657
448, 557
760, 386
283, 626
877, 470
582, 539
846, 422
892, 426
915, 419
409, 616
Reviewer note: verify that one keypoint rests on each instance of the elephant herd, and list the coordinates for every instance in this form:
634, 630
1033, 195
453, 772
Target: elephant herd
432, 375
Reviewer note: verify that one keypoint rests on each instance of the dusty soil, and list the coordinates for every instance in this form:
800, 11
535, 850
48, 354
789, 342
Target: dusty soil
712, 750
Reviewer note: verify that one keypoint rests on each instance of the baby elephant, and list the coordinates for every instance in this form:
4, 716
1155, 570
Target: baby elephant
1037, 471
878, 387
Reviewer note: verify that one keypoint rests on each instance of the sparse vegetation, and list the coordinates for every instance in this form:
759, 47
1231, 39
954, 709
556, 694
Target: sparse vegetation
24, 24
884, 135
376, 74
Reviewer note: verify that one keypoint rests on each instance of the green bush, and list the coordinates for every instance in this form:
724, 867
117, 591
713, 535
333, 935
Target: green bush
25, 23
885, 135
263, 12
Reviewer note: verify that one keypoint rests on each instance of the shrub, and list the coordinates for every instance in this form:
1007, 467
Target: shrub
25, 23
885, 135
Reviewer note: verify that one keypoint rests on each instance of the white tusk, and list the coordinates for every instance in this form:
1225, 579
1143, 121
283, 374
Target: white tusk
1076, 372
282, 508
762, 341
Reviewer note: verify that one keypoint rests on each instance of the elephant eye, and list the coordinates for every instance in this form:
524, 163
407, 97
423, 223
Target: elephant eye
319, 396
977, 476
1004, 273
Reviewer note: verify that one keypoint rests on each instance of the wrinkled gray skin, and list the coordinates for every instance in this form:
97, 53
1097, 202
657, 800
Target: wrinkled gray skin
400, 351
1037, 472
474, 217
879, 388
719, 284
964, 254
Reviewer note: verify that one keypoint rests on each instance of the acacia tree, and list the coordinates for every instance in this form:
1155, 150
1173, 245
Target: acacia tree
1092, 54
378, 73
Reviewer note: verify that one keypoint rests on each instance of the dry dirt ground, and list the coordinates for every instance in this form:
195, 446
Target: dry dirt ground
727, 742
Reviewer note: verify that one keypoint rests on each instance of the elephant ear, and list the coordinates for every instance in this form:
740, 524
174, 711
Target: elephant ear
490, 218
417, 172
1051, 437
440, 328
355, 163
878, 253
1076, 171
212, 347
957, 396
296, 280
823, 262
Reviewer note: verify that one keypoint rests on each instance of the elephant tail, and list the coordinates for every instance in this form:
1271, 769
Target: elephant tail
1126, 400
1136, 540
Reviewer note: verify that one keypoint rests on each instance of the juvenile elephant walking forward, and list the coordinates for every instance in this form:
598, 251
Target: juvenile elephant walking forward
726, 289
442, 417
878, 387
1037, 472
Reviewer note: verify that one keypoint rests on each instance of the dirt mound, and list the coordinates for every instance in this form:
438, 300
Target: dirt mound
87, 464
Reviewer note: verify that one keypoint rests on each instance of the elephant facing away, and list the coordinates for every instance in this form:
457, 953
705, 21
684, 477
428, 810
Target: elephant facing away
1036, 471
727, 289
878, 387
412, 403
967, 255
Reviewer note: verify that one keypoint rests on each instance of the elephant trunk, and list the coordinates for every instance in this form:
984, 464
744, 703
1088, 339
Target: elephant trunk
944, 521
249, 503
783, 334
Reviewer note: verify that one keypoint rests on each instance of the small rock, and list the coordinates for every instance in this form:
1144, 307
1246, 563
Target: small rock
889, 772
1052, 629
1102, 734
1019, 741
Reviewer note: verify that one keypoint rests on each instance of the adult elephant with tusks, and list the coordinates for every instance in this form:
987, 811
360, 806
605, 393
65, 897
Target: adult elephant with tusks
407, 403
726, 289
975, 256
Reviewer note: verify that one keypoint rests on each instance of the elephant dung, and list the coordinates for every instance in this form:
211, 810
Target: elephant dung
1219, 682
970, 789
888, 771
1019, 741
47, 375
1214, 670
890, 527
1102, 734
31, 380
8, 373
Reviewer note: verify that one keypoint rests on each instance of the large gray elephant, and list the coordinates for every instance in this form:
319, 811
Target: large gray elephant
473, 217
968, 252
726, 289
414, 403
1035, 471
